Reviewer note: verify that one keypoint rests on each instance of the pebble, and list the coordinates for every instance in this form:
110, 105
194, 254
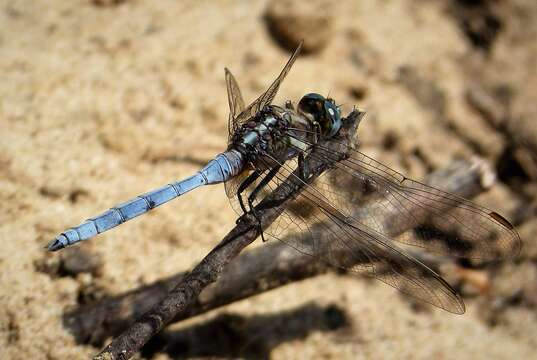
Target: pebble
77, 260
289, 22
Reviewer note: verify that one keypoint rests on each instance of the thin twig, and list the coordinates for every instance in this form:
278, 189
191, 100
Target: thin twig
207, 271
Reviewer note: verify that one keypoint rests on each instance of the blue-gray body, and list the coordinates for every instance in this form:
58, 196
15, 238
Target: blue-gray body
265, 133
218, 170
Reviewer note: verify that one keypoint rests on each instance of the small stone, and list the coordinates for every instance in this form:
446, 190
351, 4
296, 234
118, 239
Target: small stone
107, 2
77, 260
289, 22
49, 265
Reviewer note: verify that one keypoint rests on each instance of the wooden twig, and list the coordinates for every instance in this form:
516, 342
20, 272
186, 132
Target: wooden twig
254, 272
207, 271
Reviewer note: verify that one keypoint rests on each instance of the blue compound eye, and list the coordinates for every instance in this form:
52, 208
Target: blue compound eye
324, 112
312, 104
333, 117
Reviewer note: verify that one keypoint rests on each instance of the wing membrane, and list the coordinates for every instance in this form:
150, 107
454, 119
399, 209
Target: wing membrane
265, 98
234, 96
311, 224
442, 222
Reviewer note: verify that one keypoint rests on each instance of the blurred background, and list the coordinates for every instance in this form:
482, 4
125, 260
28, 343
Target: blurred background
106, 99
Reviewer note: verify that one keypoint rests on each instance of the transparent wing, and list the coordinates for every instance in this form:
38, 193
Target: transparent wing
236, 104
267, 97
442, 222
234, 96
313, 225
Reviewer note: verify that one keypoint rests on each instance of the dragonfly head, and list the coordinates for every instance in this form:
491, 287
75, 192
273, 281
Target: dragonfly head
324, 111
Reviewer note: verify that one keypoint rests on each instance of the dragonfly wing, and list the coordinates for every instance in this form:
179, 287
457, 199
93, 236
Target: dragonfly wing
311, 224
234, 96
442, 222
267, 97
236, 104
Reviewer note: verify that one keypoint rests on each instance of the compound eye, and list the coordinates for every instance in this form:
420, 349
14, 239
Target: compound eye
324, 111
333, 118
312, 104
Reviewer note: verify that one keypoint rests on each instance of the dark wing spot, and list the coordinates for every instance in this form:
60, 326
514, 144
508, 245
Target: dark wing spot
501, 220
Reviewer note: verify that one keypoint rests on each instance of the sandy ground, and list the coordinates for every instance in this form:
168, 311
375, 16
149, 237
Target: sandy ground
101, 103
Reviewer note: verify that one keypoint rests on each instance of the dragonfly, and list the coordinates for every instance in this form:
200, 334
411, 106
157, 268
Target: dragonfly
269, 146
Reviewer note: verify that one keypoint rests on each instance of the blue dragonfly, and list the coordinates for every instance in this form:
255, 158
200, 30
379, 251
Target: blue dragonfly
268, 146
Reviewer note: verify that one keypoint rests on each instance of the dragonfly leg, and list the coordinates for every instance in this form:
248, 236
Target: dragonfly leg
289, 105
244, 185
253, 195
302, 168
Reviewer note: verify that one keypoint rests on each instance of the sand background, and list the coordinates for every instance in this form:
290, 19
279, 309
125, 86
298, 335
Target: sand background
103, 100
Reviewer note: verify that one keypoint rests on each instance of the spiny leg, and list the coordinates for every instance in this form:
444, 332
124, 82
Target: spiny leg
251, 198
244, 185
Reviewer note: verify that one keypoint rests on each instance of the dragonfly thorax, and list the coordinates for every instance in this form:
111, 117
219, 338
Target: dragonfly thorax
258, 133
262, 134
283, 132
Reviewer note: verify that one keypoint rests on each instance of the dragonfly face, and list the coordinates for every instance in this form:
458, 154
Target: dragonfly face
323, 112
